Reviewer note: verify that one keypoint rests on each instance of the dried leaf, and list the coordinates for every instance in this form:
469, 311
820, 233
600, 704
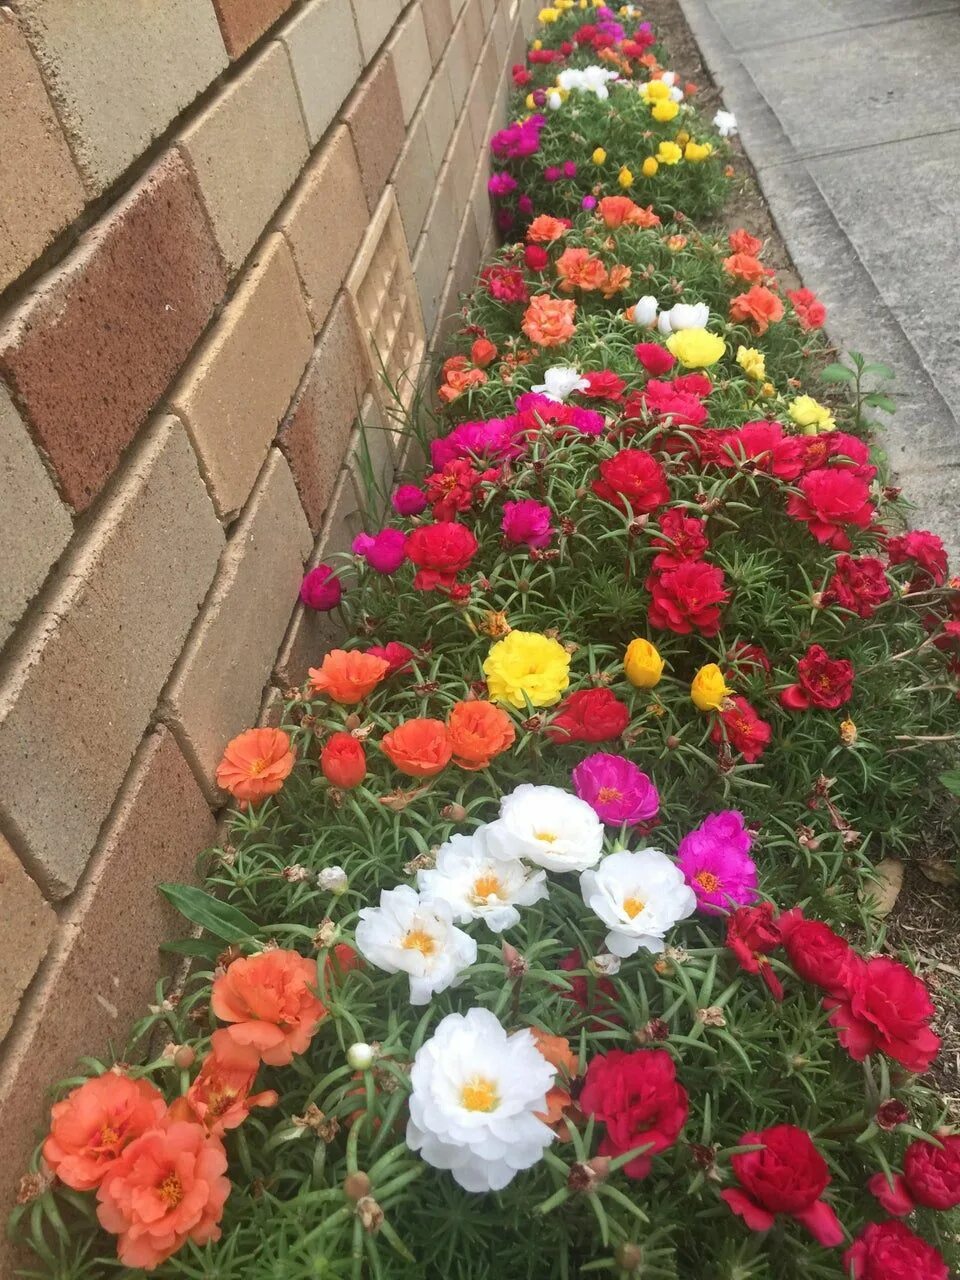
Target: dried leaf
939, 870
882, 892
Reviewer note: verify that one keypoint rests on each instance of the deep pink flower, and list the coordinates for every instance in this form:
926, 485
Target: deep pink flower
715, 860
527, 522
891, 1251
501, 184
408, 500
384, 551
321, 589
616, 789
654, 358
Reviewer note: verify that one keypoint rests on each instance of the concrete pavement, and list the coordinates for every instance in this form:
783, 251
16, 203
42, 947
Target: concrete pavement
850, 112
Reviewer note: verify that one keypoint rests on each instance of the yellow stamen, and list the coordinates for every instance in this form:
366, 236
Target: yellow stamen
479, 1094
170, 1191
419, 940
633, 906
486, 886
707, 881
548, 837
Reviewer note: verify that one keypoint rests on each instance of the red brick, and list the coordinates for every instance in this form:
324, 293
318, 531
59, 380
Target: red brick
91, 352
242, 22
374, 117
316, 433
102, 969
439, 24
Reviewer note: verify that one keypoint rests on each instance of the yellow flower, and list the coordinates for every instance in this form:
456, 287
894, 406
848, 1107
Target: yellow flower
548, 15
527, 667
669, 153
708, 688
848, 732
529, 103
682, 138
696, 348
810, 414
563, 5
643, 664
599, 156
665, 111
767, 389
752, 362
625, 177
650, 167
696, 152
537, 44
656, 91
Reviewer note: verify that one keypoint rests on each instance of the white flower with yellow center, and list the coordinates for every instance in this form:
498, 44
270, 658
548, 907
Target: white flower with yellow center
479, 886
560, 382
592, 79
638, 896
415, 935
546, 826
475, 1094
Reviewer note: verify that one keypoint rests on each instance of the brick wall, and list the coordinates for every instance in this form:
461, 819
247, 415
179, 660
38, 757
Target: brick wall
185, 191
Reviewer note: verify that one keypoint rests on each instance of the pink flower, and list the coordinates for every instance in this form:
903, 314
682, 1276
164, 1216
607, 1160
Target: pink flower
715, 859
384, 551
321, 589
616, 789
654, 358
396, 654
527, 522
408, 500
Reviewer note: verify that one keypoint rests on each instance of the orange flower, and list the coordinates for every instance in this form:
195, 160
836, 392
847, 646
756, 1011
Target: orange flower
269, 999
167, 1189
255, 764
618, 211
556, 1050
454, 364
757, 306
420, 748
479, 731
577, 269
741, 241
544, 229
220, 1097
549, 321
617, 280
91, 1127
483, 352
460, 380
746, 267
676, 243
348, 677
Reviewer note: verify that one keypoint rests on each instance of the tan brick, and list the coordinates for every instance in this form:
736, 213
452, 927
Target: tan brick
440, 115
271, 710
374, 18
84, 680
243, 22
411, 58
372, 462
502, 32
516, 47
480, 197
414, 179
89, 354
374, 117
237, 388
439, 24
476, 31
479, 102
40, 190
310, 635
119, 73
344, 519
246, 150
316, 432
325, 221
487, 10
102, 968
29, 923
431, 261
325, 56
216, 688
36, 526
459, 66
462, 166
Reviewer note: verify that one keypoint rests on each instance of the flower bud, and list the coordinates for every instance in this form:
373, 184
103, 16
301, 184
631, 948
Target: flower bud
453, 812
629, 1256
185, 1057
333, 880
356, 1186
361, 1056
370, 1214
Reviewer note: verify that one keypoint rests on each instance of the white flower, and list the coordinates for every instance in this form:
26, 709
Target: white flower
474, 1098
361, 1056
684, 315
591, 79
676, 94
645, 311
669, 78
547, 826
639, 896
554, 100
415, 935
333, 880
725, 123
479, 886
560, 382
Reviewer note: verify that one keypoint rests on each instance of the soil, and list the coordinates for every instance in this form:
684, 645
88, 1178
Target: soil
924, 925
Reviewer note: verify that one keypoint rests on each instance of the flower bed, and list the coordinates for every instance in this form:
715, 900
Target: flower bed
527, 953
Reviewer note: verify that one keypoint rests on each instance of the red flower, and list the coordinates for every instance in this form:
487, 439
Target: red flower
637, 1096
654, 358
632, 480
604, 385
818, 955
765, 445
810, 311
858, 584
687, 598
440, 551
752, 933
662, 400
883, 1006
506, 284
931, 1177
890, 1251
789, 1175
396, 655
747, 658
926, 550
743, 729
681, 538
453, 489
838, 449
829, 499
343, 761
589, 715
693, 384
822, 682
536, 257
596, 997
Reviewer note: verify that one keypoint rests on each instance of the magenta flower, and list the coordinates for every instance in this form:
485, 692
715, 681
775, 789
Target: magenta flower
569, 169
615, 789
408, 500
384, 551
527, 522
715, 860
321, 589
525, 205
501, 184
588, 202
